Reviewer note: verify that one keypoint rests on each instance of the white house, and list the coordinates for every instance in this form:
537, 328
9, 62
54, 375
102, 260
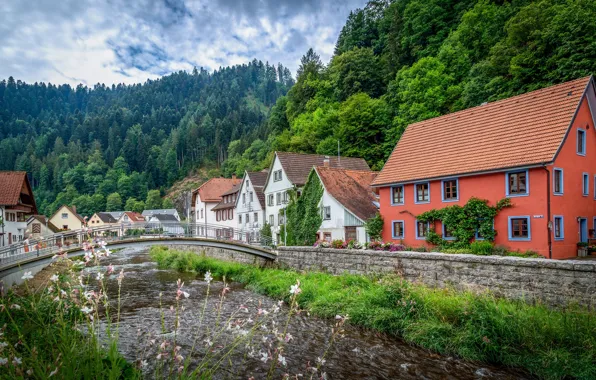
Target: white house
166, 223
250, 205
225, 214
207, 196
39, 227
348, 201
289, 171
131, 221
16, 202
168, 211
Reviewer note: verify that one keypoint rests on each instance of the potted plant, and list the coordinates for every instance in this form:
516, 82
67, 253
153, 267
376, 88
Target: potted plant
582, 249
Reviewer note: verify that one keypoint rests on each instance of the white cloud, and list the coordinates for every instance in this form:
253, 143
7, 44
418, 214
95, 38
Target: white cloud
126, 41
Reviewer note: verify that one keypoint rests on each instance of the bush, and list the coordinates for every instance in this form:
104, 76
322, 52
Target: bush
481, 248
339, 244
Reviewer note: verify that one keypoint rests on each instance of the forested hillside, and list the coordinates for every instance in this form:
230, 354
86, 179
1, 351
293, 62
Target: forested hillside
396, 62
105, 147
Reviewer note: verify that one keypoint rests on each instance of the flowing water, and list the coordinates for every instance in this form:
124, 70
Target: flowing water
359, 354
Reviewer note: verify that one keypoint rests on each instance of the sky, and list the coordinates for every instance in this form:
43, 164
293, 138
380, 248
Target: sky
130, 41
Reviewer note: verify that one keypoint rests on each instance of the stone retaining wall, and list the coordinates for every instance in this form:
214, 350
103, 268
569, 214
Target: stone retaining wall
555, 282
221, 253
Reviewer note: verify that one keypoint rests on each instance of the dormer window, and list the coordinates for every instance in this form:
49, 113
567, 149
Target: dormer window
277, 175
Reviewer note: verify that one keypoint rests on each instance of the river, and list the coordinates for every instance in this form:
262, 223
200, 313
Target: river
360, 354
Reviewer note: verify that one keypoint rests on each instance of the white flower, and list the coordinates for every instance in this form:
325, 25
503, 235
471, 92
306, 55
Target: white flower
208, 277
29, 372
295, 289
3, 361
15, 306
107, 252
3, 345
17, 361
27, 276
86, 310
55, 371
120, 276
56, 299
288, 337
144, 364
321, 361
208, 342
99, 276
281, 359
264, 357
54, 278
186, 295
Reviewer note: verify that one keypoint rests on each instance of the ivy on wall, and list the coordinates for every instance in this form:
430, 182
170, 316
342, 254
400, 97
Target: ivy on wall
303, 213
464, 221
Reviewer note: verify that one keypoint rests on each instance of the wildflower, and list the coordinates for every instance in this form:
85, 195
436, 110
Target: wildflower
264, 357
485, 340
144, 364
107, 252
110, 269
27, 276
55, 371
163, 345
3, 361
54, 278
56, 299
262, 311
62, 293
120, 276
288, 337
243, 308
264, 339
3, 345
17, 361
208, 277
295, 289
208, 342
281, 359
30, 372
179, 358
86, 310
99, 276
321, 361
50, 289
15, 306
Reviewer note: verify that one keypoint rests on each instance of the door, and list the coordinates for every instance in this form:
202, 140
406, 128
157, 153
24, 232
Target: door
583, 230
351, 233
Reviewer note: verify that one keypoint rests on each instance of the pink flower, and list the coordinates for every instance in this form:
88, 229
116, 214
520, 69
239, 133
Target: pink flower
110, 269
120, 276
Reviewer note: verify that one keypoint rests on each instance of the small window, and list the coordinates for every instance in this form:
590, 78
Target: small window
278, 198
558, 228
517, 183
586, 184
240, 219
201, 213
581, 142
64, 215
450, 190
519, 228
397, 195
64, 227
272, 220
326, 212
327, 237
270, 200
255, 217
243, 198
422, 192
247, 218
447, 232
230, 214
398, 229
286, 197
277, 176
421, 229
558, 181
250, 196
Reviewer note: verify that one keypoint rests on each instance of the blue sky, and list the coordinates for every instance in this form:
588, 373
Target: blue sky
128, 41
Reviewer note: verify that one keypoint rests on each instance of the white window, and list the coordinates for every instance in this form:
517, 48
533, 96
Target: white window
247, 218
64, 215
278, 198
243, 198
270, 200
277, 176
240, 219
255, 217
201, 213
250, 196
586, 184
271, 220
326, 212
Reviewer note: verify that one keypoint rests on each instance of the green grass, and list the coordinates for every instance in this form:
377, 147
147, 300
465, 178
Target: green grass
549, 343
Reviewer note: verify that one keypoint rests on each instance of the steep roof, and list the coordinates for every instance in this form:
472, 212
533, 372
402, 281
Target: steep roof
45, 221
133, 216
352, 189
165, 211
106, 217
212, 190
233, 190
11, 186
72, 210
297, 166
115, 214
519, 131
259, 179
164, 217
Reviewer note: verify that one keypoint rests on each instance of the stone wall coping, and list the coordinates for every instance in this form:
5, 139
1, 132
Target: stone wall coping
571, 265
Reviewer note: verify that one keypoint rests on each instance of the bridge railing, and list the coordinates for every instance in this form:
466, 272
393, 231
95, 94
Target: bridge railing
67, 240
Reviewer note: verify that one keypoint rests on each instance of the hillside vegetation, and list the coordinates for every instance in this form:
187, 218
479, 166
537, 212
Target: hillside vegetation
395, 62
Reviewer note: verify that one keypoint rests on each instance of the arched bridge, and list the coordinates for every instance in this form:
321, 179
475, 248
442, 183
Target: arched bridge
36, 252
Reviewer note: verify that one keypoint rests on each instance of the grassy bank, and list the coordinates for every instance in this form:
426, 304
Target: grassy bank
548, 343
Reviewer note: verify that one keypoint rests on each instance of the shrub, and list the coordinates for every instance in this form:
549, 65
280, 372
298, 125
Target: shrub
338, 243
481, 248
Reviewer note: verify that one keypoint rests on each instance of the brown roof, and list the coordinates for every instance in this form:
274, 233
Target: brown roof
134, 216
11, 187
258, 178
297, 166
520, 131
352, 189
45, 221
212, 190
233, 190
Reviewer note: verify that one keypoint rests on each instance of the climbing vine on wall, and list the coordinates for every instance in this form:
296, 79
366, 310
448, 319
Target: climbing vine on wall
303, 213
464, 221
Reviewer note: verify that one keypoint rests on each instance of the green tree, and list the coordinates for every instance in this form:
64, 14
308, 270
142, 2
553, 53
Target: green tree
168, 203
114, 202
154, 201
374, 227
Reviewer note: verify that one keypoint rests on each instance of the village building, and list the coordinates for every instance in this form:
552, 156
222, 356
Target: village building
67, 219
39, 227
348, 201
538, 149
225, 216
165, 223
289, 172
206, 197
167, 211
100, 219
250, 205
16, 203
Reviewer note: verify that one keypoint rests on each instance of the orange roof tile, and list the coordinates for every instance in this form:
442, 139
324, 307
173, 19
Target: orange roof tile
351, 188
519, 131
212, 190
11, 184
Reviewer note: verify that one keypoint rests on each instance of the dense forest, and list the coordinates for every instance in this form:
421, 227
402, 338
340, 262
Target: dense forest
395, 62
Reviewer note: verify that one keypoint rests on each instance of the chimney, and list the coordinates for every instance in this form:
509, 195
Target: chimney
234, 176
326, 161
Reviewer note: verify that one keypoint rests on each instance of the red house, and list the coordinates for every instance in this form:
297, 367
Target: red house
538, 149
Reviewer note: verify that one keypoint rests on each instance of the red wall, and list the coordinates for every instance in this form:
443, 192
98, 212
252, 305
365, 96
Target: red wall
492, 187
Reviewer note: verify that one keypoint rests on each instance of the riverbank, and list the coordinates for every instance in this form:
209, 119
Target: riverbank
549, 343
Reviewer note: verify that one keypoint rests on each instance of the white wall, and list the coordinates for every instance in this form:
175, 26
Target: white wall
208, 214
247, 207
274, 187
16, 229
335, 225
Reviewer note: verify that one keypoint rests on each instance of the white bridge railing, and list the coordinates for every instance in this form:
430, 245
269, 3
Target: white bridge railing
68, 240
